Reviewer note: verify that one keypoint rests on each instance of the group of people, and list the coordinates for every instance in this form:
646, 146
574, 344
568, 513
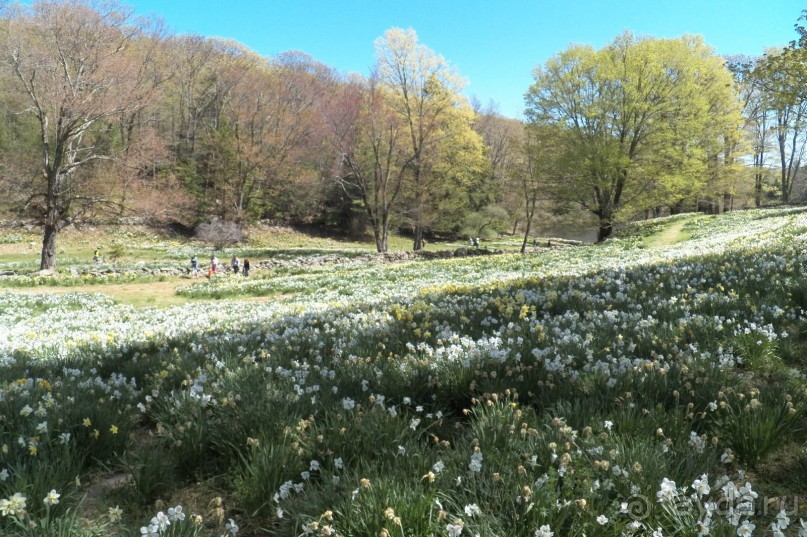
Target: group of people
235, 265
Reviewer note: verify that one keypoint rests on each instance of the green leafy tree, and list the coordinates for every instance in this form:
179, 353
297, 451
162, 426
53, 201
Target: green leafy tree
459, 180
424, 92
638, 118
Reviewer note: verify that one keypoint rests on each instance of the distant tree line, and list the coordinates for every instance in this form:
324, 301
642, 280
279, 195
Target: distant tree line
107, 114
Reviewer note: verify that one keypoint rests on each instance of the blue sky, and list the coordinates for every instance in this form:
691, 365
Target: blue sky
494, 44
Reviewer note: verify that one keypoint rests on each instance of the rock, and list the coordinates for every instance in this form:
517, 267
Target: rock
386, 257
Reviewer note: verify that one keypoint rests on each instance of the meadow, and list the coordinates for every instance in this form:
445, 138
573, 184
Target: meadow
650, 385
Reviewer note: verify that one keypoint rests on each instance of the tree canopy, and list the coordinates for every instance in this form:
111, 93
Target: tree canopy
640, 121
106, 115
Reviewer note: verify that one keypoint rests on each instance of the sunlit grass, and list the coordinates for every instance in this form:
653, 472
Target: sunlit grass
673, 233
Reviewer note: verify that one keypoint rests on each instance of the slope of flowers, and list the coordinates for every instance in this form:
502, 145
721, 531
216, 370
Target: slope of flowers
607, 390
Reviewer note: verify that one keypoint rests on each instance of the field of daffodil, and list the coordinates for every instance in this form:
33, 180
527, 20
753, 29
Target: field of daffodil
603, 390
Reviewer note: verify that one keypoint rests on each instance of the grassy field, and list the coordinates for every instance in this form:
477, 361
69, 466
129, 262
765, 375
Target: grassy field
651, 385
140, 250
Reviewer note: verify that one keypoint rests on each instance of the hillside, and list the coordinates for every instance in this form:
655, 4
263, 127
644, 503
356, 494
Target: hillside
653, 383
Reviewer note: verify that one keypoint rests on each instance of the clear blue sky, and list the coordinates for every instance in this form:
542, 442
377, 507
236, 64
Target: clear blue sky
494, 44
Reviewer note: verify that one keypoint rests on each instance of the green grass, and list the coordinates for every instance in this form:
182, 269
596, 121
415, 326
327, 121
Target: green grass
671, 233
75, 247
145, 247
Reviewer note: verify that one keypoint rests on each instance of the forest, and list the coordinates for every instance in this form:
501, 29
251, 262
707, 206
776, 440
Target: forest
109, 117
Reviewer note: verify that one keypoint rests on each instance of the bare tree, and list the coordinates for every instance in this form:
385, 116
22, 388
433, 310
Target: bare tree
270, 118
758, 117
194, 87
367, 136
503, 138
245, 125
75, 64
220, 233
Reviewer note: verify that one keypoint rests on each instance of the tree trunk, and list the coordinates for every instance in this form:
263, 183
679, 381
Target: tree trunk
529, 213
526, 236
380, 235
786, 169
376, 234
605, 229
728, 202
48, 258
383, 246
418, 242
758, 162
55, 213
420, 195
418, 227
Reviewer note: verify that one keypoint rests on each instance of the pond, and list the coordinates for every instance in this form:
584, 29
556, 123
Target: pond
569, 233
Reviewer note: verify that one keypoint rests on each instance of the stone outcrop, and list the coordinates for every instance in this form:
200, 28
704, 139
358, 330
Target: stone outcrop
388, 257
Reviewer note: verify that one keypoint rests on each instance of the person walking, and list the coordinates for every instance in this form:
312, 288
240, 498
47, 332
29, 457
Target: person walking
195, 266
246, 268
235, 264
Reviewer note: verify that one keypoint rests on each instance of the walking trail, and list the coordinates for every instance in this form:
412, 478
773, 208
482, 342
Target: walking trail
672, 234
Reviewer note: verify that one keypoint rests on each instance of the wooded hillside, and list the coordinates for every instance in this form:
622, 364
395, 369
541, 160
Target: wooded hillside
107, 115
